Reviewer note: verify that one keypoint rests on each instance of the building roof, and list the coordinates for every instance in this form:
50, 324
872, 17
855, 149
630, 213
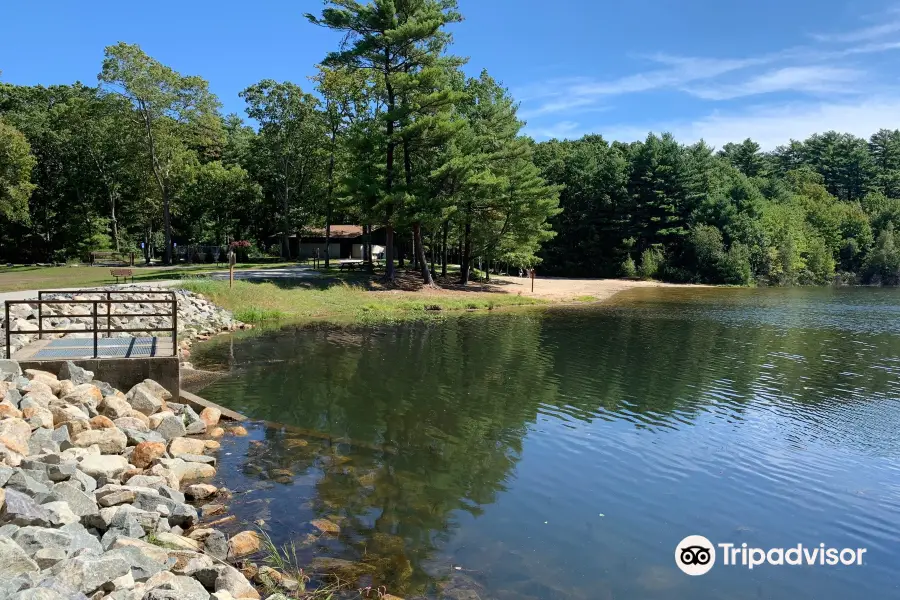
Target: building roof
337, 231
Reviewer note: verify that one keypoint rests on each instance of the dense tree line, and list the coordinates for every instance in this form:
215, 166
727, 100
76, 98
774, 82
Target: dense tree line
809, 212
392, 135
389, 134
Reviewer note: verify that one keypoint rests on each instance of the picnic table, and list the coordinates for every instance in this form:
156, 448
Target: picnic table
109, 256
350, 265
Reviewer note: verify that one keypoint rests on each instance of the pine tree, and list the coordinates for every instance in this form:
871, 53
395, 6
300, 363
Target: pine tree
390, 39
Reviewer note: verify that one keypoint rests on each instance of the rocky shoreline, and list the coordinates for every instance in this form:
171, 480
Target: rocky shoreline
102, 494
198, 318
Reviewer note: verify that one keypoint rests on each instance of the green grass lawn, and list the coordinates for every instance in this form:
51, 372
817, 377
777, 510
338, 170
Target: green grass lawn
334, 300
36, 278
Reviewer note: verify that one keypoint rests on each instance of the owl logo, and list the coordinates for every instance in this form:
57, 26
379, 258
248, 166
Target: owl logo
695, 555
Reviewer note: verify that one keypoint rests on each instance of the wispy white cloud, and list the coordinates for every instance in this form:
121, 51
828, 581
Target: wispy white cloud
817, 79
828, 85
770, 126
561, 131
563, 95
570, 105
890, 23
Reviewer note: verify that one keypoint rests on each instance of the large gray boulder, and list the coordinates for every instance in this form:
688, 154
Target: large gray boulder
38, 593
47, 557
89, 573
82, 540
131, 423
178, 513
9, 370
114, 407
14, 560
43, 441
54, 584
19, 586
156, 389
28, 482
170, 427
22, 510
51, 583
136, 436
179, 588
144, 564
216, 545
148, 481
144, 399
114, 516
109, 466
110, 441
233, 581
31, 539
61, 512
75, 373
124, 524
79, 501
84, 481
192, 421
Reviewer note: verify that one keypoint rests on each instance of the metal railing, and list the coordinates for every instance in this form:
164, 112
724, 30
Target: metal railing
96, 315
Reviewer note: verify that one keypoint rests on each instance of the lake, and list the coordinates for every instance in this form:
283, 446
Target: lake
565, 452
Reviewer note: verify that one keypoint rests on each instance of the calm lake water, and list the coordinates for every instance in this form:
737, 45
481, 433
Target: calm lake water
564, 453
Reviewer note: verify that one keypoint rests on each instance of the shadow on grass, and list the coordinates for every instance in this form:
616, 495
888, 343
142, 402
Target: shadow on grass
406, 280
5, 269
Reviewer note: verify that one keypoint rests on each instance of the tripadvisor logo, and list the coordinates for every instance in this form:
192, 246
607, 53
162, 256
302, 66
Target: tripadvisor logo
696, 555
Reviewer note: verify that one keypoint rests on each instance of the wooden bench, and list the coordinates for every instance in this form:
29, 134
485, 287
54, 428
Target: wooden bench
350, 265
123, 273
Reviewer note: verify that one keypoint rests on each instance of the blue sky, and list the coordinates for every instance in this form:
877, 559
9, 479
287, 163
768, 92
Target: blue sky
718, 70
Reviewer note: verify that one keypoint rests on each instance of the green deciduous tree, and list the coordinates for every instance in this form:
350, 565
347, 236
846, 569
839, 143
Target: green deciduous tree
882, 265
176, 114
16, 163
291, 146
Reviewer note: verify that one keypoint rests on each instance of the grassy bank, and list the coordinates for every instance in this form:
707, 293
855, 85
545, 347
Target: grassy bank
36, 278
338, 301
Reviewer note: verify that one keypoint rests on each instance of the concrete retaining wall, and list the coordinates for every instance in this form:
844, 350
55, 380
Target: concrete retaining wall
122, 373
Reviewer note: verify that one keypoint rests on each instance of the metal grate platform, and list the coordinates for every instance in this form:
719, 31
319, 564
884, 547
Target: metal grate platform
106, 348
102, 342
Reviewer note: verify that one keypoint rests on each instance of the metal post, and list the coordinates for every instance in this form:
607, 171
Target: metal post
40, 319
8, 324
108, 315
96, 304
174, 324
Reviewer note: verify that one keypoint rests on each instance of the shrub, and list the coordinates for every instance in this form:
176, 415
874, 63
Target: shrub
628, 268
882, 265
735, 266
819, 261
709, 252
651, 260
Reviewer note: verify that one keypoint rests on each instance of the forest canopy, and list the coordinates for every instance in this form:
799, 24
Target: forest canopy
391, 134
808, 212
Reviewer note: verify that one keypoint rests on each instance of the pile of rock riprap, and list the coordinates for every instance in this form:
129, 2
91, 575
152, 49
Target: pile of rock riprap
96, 493
197, 317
